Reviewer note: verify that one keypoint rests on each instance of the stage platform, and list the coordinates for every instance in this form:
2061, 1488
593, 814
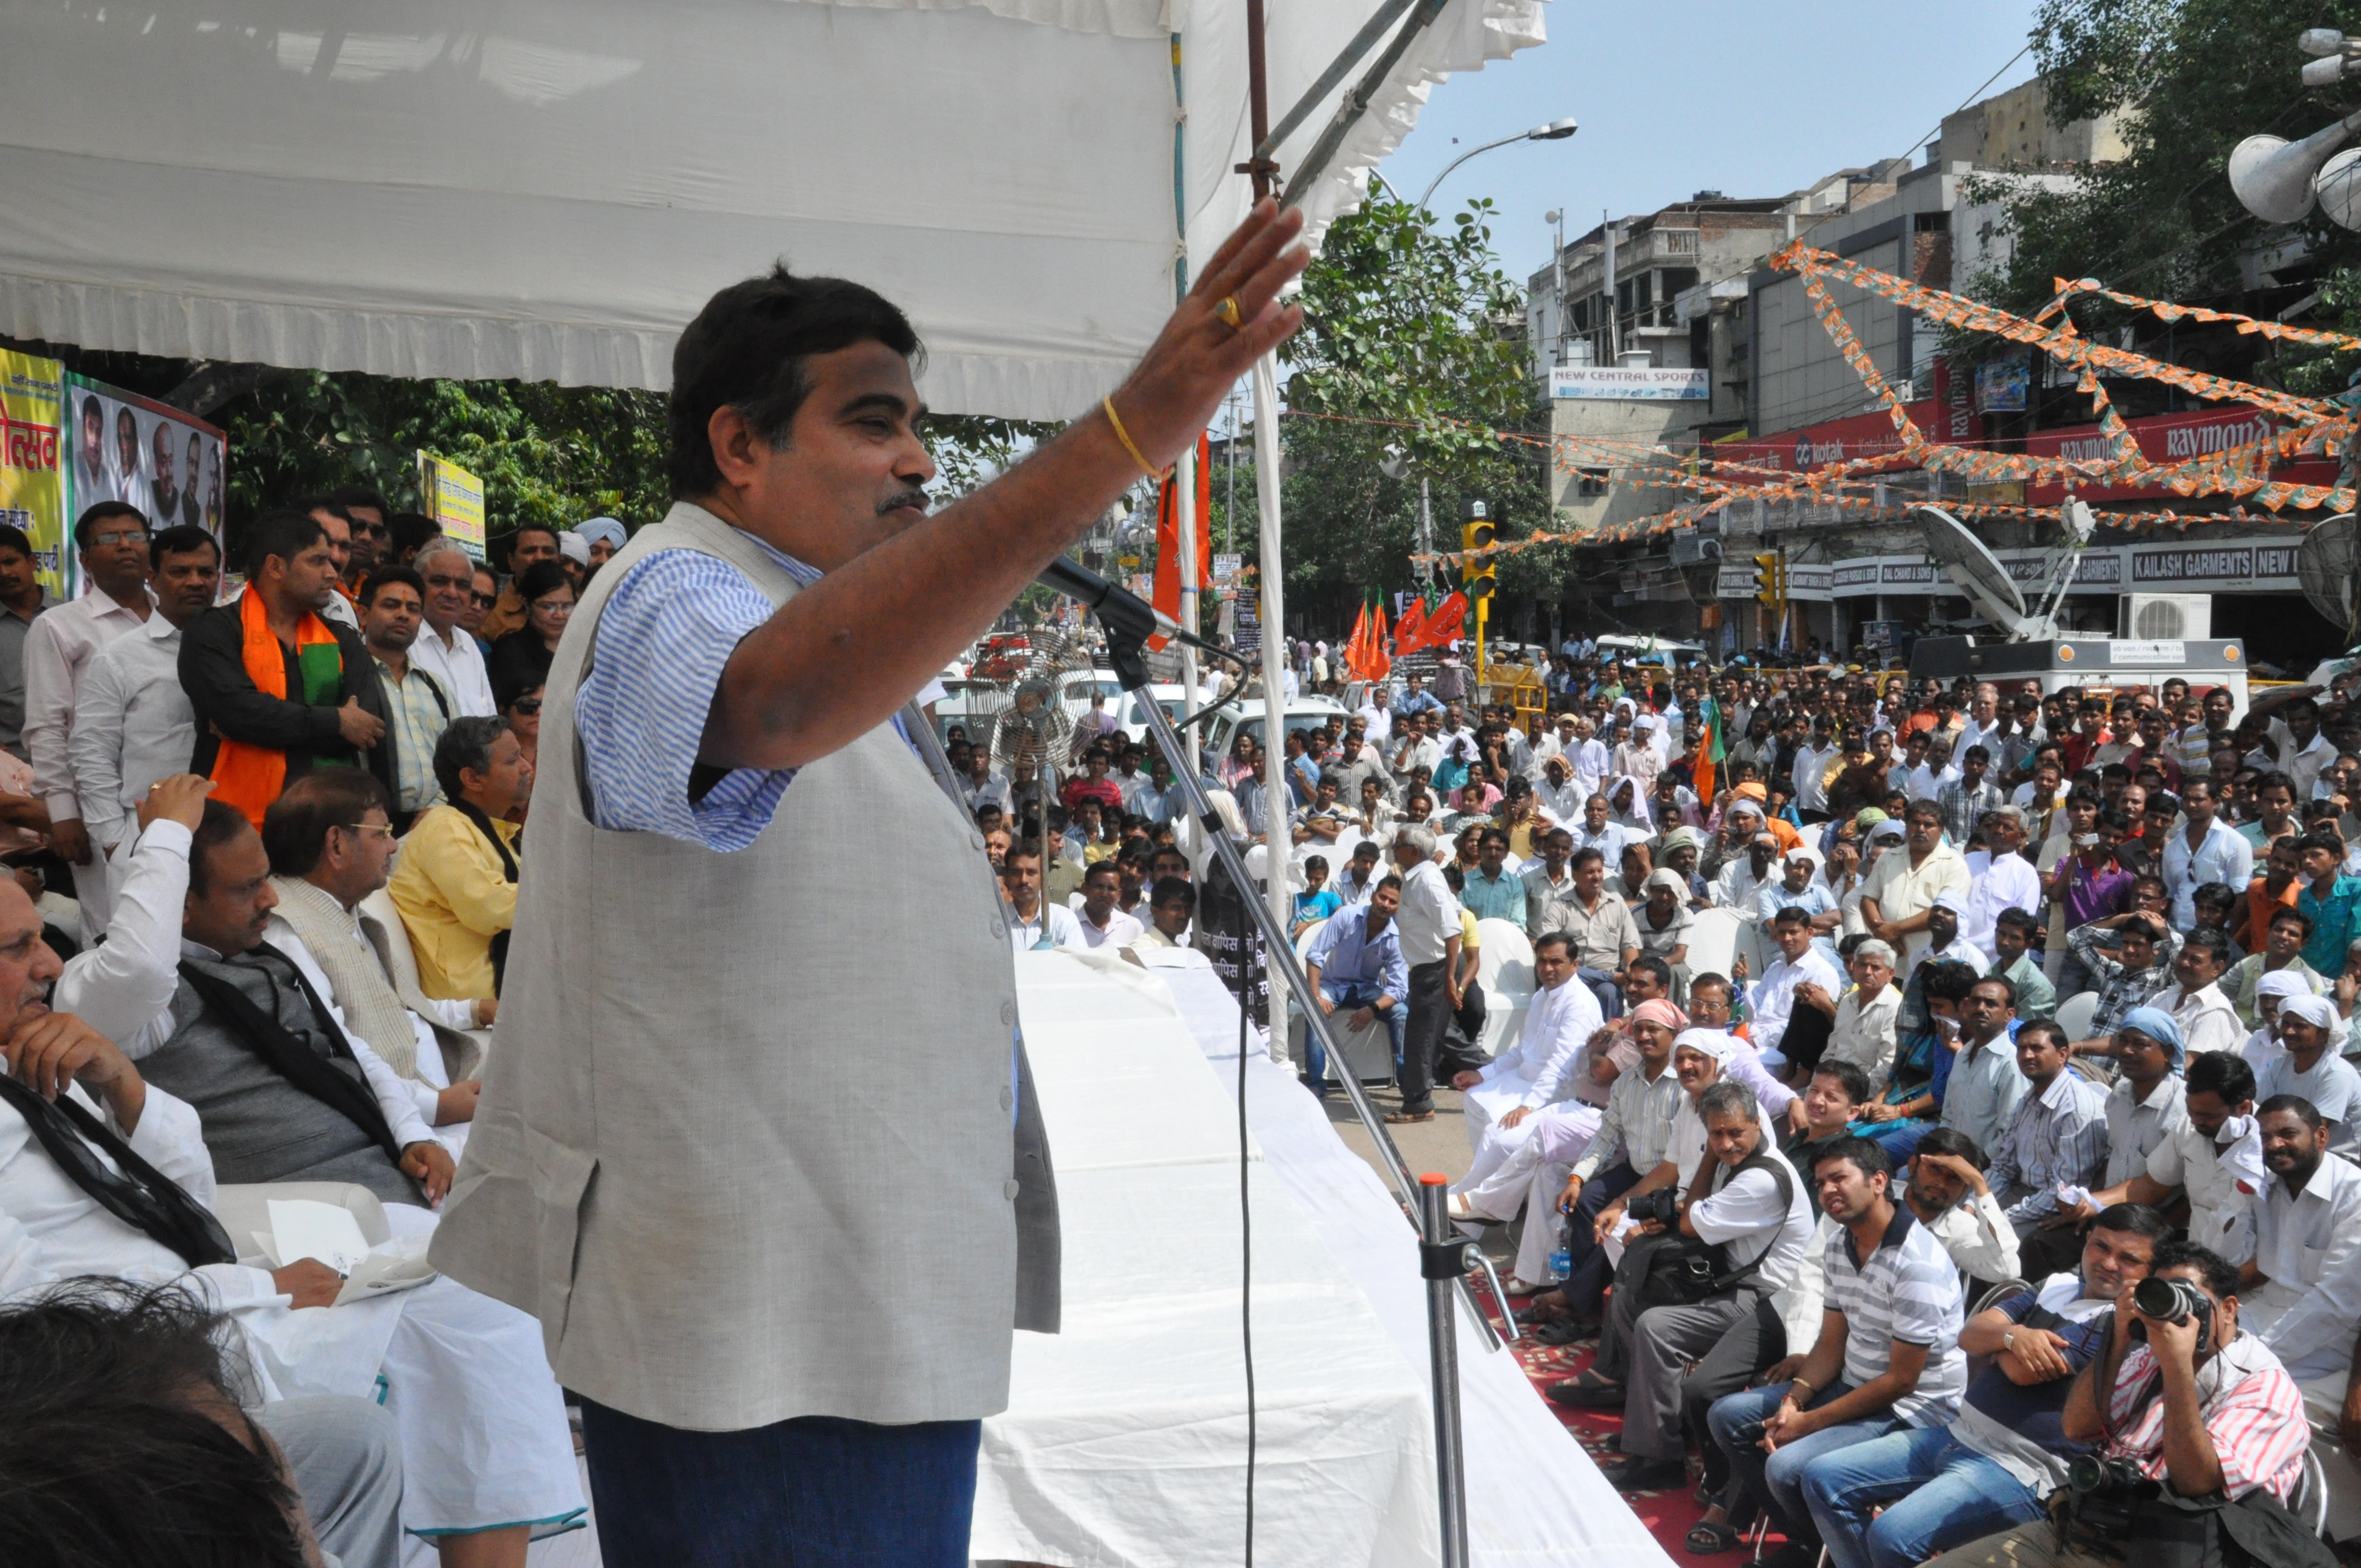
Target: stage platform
1125, 1441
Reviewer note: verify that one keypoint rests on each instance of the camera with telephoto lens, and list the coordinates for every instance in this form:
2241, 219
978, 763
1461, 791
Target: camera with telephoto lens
2107, 1493
2174, 1301
1662, 1206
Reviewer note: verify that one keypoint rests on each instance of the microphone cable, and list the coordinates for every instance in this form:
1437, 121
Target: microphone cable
1246, 1208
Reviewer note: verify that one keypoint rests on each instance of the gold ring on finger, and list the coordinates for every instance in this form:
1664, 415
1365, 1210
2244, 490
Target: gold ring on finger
1229, 313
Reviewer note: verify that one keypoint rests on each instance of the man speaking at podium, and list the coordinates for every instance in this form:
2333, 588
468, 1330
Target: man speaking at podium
779, 1209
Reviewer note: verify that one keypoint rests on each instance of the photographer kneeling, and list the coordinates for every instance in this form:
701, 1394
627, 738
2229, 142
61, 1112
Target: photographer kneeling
2198, 1434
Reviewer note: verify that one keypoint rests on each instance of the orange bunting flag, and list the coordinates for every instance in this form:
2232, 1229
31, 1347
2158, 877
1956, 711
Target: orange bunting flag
1167, 537
1445, 624
1411, 627
1379, 662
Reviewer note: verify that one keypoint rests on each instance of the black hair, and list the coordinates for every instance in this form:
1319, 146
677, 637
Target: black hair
115, 1400
1173, 889
2220, 1275
1869, 1158
2007, 986
1953, 1142
1392, 881
408, 531
220, 824
1848, 1075
183, 539
328, 504
99, 512
295, 825
747, 350
2213, 939
1946, 979
2048, 1027
2222, 1073
465, 746
385, 577
1553, 940
2275, 779
2017, 919
1719, 982
2289, 912
284, 532
13, 538
351, 496
542, 577
2294, 1105
2133, 1220
1586, 854
1656, 966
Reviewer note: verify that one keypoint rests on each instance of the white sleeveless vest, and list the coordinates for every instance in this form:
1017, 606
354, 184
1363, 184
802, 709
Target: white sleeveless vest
744, 1146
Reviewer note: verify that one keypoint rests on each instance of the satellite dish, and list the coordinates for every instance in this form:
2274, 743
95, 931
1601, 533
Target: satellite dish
2328, 566
2338, 186
1977, 571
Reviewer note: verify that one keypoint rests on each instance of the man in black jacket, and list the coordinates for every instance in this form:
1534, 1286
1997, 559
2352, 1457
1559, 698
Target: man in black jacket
326, 712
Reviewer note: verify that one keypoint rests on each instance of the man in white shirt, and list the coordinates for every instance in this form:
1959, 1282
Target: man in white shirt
2208, 1019
1376, 715
112, 538
1599, 830
1557, 795
1590, 758
1810, 774
1916, 777
2304, 753
1103, 924
1985, 727
471, 1376
191, 989
445, 649
1944, 940
1999, 877
1773, 998
1902, 886
2210, 1152
1034, 921
1538, 1070
132, 722
1429, 930
2302, 1292
2206, 849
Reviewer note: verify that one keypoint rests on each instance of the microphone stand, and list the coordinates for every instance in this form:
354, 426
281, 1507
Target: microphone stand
1446, 1258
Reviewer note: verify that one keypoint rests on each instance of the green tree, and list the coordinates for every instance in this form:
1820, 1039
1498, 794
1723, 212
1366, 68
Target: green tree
2192, 78
1413, 348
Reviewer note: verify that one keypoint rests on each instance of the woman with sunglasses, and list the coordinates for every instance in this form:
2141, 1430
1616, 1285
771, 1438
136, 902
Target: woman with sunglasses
521, 709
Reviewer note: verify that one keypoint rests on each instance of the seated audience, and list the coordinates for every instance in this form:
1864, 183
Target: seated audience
2056, 1139
1355, 965
188, 986
104, 1173
1172, 904
1772, 1001
1539, 1070
2300, 1288
1034, 919
456, 882
1864, 1029
1102, 924
2013, 962
1899, 1500
2143, 1110
2308, 1066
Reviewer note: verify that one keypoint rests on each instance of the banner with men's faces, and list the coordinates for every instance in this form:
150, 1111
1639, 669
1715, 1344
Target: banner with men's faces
129, 448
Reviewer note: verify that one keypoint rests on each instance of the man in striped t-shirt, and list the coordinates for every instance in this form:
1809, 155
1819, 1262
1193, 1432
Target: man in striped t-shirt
1888, 1355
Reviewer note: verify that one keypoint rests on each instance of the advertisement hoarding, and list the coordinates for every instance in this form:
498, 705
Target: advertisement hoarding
32, 448
169, 464
455, 500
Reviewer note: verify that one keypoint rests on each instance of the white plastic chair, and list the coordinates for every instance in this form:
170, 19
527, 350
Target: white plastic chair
382, 920
1504, 970
2074, 1013
1713, 941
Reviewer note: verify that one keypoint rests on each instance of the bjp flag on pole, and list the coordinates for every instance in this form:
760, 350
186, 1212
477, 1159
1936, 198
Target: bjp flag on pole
1167, 537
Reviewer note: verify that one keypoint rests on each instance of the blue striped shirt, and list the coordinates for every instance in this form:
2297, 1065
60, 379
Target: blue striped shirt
666, 633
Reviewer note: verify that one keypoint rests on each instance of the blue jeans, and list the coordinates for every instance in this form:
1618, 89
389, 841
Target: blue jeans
1937, 1493
814, 1492
1777, 1477
1602, 986
1349, 998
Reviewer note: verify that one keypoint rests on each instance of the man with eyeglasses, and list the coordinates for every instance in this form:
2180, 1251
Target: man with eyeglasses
113, 539
372, 536
444, 648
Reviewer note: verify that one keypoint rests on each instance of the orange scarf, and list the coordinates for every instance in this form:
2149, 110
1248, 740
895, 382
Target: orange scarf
251, 777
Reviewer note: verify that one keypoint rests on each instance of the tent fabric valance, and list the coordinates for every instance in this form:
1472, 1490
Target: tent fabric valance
548, 190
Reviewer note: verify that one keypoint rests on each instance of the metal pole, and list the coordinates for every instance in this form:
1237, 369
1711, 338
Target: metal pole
1443, 1349
1185, 496
1425, 525
1276, 798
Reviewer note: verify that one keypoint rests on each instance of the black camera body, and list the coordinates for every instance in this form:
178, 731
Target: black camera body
2176, 1302
1662, 1206
2107, 1492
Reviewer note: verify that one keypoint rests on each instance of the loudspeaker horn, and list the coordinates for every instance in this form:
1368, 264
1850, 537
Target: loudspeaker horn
2272, 176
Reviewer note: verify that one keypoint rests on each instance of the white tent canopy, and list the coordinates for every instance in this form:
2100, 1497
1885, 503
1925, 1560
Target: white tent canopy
549, 188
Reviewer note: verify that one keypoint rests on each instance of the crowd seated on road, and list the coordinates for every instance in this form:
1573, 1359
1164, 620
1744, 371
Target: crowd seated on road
1879, 1041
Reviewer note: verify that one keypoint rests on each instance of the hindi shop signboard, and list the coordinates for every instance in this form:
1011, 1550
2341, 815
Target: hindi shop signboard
455, 500
1633, 384
128, 448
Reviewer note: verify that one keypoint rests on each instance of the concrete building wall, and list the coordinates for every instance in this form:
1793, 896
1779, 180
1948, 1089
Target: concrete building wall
2012, 129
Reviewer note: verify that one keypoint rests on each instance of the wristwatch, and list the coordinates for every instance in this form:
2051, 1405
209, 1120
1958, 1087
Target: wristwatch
2008, 1340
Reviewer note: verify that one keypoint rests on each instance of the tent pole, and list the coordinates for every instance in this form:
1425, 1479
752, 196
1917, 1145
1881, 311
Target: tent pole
1185, 477
1276, 795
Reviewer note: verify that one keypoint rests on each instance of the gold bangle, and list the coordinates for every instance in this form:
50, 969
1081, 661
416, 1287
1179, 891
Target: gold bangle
1150, 469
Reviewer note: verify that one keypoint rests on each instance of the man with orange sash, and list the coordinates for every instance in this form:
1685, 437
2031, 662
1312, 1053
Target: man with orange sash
279, 691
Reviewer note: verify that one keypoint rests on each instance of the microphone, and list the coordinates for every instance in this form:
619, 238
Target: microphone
1122, 609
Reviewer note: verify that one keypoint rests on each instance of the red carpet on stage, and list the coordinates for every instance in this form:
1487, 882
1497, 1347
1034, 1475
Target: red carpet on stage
1666, 1515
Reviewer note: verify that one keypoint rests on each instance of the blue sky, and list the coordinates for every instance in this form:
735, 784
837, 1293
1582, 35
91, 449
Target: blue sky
1675, 96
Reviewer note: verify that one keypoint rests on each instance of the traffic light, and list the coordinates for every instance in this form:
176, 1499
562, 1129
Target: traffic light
1477, 576
1770, 578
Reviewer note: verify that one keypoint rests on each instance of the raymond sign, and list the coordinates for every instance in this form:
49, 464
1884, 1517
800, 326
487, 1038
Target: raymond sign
32, 437
2165, 439
455, 500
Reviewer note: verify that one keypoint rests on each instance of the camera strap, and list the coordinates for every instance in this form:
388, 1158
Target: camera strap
1761, 1159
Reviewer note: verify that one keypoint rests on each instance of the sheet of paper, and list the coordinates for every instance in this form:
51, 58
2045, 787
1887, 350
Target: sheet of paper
302, 1227
398, 1265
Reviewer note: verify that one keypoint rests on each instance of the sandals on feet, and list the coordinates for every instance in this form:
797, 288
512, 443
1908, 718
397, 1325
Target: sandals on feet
1705, 1539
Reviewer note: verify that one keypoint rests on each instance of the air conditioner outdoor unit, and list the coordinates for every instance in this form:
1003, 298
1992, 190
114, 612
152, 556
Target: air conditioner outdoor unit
2150, 617
1693, 549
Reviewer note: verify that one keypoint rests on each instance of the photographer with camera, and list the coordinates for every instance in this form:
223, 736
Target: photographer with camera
1888, 1354
2199, 1437
1695, 1277
1991, 1468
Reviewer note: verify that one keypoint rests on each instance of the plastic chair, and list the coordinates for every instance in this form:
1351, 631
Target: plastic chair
381, 921
1997, 1294
2074, 1013
1504, 970
1713, 940
2308, 1502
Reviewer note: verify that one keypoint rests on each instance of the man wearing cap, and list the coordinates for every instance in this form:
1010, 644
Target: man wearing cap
1740, 884
604, 536
1944, 939
2000, 877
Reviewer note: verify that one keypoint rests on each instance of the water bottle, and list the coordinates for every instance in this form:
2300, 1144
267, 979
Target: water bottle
1561, 1257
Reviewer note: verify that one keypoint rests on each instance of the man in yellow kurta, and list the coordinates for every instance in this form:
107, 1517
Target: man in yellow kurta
457, 880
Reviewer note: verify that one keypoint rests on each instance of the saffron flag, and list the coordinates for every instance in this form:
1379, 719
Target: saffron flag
1381, 664
1167, 537
1411, 627
1446, 623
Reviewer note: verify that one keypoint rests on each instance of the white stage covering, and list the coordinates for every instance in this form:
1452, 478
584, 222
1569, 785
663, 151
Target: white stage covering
549, 188
1124, 1437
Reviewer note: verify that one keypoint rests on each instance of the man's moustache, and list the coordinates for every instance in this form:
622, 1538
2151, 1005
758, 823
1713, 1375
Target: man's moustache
914, 499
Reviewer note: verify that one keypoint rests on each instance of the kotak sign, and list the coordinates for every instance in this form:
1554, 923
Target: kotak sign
1845, 440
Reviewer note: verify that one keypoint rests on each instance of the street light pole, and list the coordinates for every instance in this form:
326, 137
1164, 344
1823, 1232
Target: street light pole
1557, 130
